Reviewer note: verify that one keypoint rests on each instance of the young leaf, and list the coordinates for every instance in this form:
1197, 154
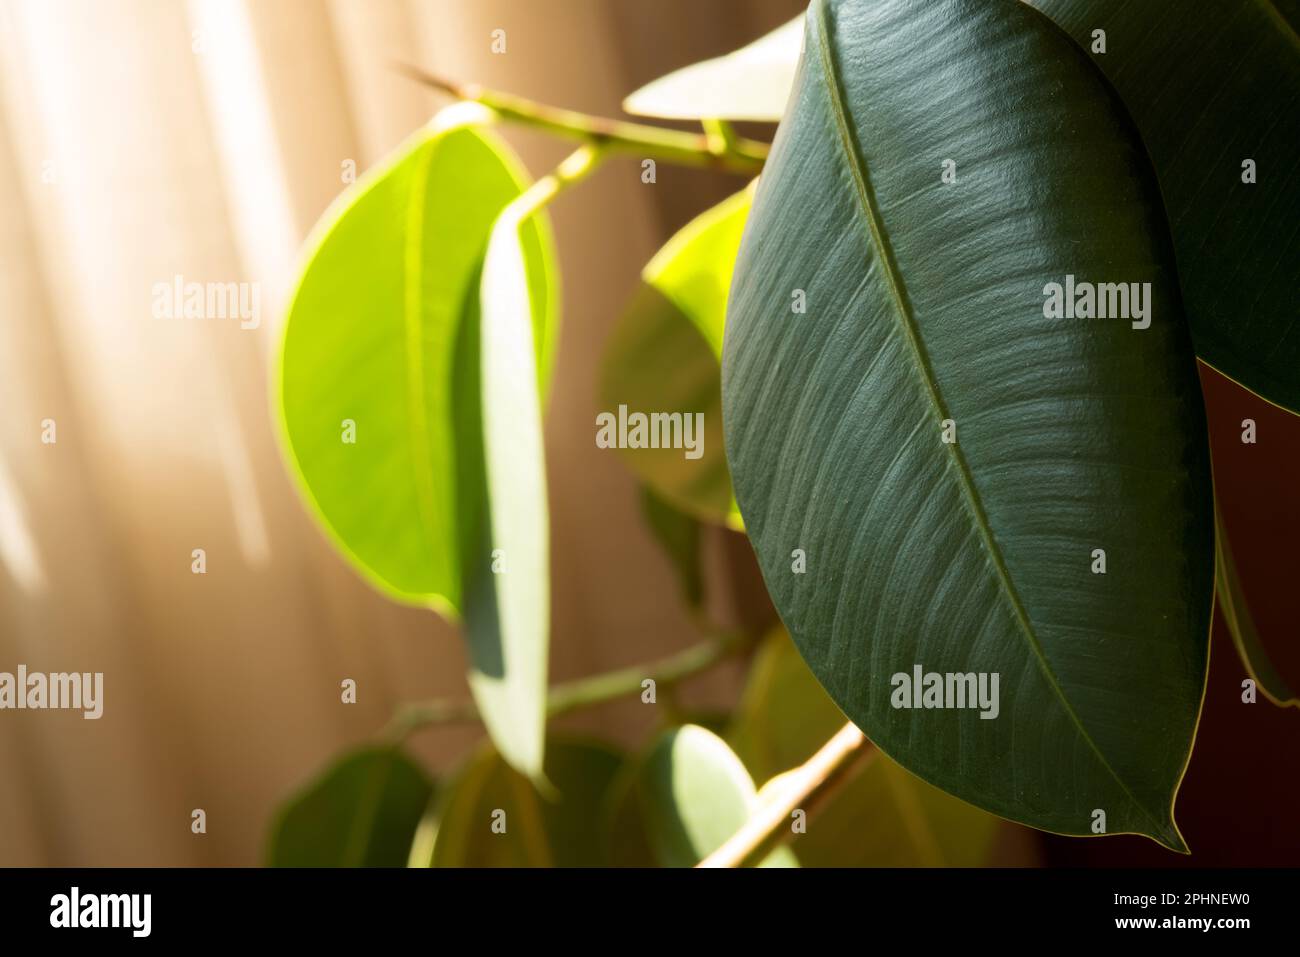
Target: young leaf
751, 83
507, 614
381, 401
1241, 626
491, 816
935, 475
362, 812
694, 794
663, 357
1213, 92
693, 269
882, 816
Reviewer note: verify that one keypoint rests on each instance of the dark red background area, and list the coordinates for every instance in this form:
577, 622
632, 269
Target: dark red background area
1240, 800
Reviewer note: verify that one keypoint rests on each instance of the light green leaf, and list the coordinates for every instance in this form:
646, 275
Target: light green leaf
882, 816
1241, 626
663, 357
693, 269
492, 816
925, 322
383, 403
508, 610
694, 794
362, 812
751, 83
1209, 87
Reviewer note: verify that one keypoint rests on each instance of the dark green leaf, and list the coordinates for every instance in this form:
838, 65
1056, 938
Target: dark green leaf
926, 310
626, 838
1209, 87
362, 812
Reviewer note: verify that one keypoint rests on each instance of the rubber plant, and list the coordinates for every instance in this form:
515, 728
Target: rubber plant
944, 338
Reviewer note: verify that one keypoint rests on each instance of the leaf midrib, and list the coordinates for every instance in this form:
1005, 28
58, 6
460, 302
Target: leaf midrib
898, 291
413, 320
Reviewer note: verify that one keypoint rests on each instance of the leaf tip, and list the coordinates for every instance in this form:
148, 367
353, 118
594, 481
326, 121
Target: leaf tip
1168, 836
545, 788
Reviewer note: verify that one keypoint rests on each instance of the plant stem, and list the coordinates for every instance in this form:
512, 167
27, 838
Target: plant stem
572, 169
721, 135
807, 787
584, 692
728, 152
615, 684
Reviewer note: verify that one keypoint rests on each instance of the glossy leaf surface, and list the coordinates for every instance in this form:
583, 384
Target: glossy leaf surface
929, 459
1215, 91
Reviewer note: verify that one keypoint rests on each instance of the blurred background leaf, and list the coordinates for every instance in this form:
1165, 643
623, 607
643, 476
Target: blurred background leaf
678, 534
692, 794
664, 356
883, 816
553, 830
361, 812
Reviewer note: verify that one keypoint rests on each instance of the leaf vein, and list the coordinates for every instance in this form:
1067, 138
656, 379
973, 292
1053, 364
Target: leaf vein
412, 318
898, 291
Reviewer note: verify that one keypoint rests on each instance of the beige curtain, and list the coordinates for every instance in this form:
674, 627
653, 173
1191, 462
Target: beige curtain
145, 139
